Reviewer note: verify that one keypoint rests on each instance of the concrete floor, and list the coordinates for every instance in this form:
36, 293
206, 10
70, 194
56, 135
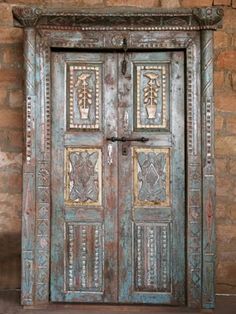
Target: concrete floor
10, 304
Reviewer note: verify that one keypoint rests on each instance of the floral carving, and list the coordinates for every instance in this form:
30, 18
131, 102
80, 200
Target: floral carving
151, 94
84, 177
84, 95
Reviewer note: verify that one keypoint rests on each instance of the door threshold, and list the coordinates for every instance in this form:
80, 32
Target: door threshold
115, 308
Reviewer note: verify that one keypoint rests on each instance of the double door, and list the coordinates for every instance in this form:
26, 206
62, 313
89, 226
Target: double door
118, 177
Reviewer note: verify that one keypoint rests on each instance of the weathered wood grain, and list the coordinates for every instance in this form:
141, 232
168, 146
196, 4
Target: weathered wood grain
208, 183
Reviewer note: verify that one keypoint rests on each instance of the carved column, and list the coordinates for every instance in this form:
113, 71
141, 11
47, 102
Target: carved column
208, 293
28, 206
42, 216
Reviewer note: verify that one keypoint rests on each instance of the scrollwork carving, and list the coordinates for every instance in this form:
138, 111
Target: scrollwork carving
83, 176
152, 177
208, 16
27, 16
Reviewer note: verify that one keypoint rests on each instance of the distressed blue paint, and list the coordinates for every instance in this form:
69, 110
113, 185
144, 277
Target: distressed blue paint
175, 213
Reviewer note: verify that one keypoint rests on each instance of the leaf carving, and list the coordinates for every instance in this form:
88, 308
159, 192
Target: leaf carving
84, 94
150, 94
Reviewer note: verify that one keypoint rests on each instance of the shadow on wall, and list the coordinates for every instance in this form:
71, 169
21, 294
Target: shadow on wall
10, 260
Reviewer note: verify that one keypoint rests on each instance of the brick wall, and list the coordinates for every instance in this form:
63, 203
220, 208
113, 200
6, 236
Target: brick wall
11, 134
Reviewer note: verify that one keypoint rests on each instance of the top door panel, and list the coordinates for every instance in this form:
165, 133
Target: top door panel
151, 91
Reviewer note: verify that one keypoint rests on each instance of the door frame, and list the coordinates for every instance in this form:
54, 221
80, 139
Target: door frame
188, 29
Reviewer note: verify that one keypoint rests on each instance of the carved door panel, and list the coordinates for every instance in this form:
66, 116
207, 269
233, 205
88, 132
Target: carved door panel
84, 198
118, 220
151, 179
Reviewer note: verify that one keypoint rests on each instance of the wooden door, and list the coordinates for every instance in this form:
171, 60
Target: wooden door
151, 179
118, 220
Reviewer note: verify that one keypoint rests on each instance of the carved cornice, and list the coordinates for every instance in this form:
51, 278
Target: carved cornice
119, 19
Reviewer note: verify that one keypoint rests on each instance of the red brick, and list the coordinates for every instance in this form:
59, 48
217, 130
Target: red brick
170, 3
5, 14
225, 280
10, 119
221, 39
219, 77
7, 159
10, 210
228, 81
10, 35
226, 60
10, 182
11, 78
3, 97
229, 20
16, 98
218, 122
136, 3
226, 236
221, 167
223, 186
92, 2
234, 39
232, 168
231, 124
225, 102
232, 212
233, 3
196, 3
11, 140
233, 80
225, 146
47, 2
222, 2
12, 55
220, 210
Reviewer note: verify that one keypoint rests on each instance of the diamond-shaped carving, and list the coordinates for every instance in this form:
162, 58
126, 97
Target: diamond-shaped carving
151, 176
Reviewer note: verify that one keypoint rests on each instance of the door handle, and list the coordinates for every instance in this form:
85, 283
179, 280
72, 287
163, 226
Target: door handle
129, 139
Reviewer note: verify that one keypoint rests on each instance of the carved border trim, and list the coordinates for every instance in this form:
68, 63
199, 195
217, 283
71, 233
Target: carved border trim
42, 181
194, 235
208, 184
120, 19
28, 204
